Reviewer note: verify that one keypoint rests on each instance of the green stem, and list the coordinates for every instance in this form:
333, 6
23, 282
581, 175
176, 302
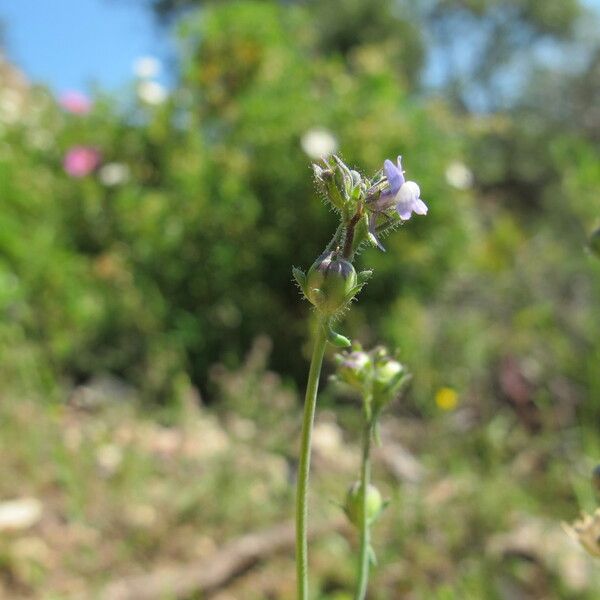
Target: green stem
365, 534
310, 402
336, 238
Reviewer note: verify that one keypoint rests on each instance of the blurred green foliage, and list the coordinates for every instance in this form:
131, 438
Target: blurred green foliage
169, 277
185, 264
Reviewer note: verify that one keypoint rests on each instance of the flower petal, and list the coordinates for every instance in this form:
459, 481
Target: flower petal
409, 192
404, 210
393, 175
399, 163
419, 207
385, 200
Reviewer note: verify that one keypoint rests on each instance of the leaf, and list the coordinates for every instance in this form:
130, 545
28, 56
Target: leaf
300, 278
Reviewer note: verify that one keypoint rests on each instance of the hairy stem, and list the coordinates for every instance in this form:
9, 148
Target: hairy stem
310, 403
336, 238
349, 242
364, 527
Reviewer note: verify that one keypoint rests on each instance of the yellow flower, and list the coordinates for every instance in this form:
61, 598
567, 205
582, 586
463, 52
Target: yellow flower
446, 398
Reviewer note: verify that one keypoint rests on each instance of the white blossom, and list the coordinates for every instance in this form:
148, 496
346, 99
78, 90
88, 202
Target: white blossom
114, 173
319, 142
152, 92
458, 175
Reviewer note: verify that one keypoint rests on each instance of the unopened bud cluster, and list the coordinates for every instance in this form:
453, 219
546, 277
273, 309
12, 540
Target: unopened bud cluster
343, 187
376, 375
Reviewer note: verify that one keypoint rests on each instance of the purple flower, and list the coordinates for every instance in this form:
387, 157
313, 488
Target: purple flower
395, 179
404, 196
81, 161
394, 175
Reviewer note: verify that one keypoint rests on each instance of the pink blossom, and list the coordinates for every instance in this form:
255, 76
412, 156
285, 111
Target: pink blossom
80, 161
76, 103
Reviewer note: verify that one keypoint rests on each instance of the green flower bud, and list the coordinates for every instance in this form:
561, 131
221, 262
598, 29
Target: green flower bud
326, 180
343, 176
387, 374
353, 506
389, 378
353, 368
322, 175
330, 283
388, 371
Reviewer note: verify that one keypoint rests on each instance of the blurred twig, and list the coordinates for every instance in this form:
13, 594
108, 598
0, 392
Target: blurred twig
210, 574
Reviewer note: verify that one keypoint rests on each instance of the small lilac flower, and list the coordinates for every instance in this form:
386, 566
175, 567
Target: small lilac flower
403, 195
76, 103
80, 161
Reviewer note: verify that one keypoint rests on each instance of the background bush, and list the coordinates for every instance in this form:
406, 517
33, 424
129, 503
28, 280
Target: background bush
185, 264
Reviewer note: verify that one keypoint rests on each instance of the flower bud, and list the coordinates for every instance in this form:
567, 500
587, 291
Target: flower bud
353, 368
325, 176
389, 378
343, 175
387, 372
353, 506
330, 283
322, 175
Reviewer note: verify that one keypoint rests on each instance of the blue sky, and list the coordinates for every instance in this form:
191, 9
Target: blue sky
69, 44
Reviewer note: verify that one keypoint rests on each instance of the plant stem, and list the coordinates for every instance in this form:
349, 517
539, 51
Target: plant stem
365, 534
310, 402
336, 238
347, 253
